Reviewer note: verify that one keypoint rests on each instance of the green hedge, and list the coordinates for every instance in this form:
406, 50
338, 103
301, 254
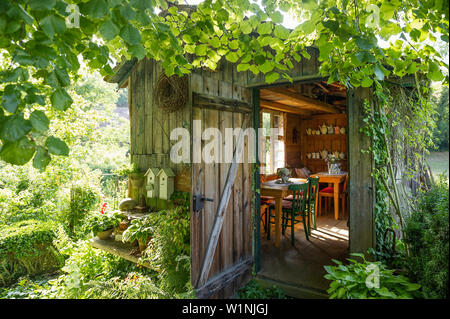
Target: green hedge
26, 248
427, 234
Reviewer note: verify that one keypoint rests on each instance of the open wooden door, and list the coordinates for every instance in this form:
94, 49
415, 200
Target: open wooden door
221, 104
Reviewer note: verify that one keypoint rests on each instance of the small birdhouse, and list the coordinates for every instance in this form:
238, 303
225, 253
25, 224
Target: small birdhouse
166, 183
152, 183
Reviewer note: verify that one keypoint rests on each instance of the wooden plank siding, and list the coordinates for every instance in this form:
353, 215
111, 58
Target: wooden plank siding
151, 126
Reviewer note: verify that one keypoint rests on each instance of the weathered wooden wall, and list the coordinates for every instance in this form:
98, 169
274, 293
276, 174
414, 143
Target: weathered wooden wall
151, 126
293, 146
330, 142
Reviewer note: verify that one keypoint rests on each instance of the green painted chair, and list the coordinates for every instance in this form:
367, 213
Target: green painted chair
292, 210
313, 192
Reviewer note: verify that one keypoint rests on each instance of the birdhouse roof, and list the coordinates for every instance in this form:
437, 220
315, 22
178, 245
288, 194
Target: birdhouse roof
153, 171
167, 171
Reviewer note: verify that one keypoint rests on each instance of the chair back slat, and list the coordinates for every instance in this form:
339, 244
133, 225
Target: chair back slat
299, 197
313, 192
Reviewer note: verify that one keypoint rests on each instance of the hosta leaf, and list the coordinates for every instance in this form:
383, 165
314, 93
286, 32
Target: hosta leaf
56, 146
19, 152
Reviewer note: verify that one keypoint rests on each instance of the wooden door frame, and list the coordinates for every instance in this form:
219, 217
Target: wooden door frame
360, 165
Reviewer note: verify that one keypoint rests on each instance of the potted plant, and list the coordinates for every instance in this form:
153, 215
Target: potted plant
140, 229
103, 225
136, 178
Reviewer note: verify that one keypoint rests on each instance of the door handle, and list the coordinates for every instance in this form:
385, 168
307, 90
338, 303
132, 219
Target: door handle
199, 202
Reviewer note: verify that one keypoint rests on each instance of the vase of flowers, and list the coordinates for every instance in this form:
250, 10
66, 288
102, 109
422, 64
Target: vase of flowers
284, 174
334, 165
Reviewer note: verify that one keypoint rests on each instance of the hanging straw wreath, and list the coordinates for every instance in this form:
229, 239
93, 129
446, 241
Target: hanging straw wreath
170, 92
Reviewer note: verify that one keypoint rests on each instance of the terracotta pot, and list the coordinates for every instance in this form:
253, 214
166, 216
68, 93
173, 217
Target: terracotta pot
106, 234
136, 180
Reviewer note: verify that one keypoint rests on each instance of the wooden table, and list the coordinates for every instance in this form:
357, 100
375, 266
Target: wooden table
278, 191
334, 179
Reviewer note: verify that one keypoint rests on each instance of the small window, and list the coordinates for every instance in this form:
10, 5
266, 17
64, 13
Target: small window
273, 148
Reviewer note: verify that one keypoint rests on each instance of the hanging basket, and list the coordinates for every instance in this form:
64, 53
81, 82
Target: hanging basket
170, 93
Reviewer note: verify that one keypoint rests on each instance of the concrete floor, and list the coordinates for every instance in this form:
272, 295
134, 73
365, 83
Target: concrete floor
301, 266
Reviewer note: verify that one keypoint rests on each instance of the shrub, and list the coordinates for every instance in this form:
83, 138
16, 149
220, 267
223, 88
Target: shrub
253, 290
26, 248
427, 233
83, 200
168, 251
357, 280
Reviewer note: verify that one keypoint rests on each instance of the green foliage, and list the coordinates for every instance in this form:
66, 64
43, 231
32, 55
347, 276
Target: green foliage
26, 248
83, 200
101, 222
440, 133
427, 233
140, 229
168, 251
39, 51
253, 290
351, 281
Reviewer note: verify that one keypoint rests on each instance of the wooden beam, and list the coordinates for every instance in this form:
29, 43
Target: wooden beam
283, 107
224, 279
302, 100
220, 103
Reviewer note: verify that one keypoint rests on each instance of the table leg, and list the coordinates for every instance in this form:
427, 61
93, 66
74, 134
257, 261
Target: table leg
278, 207
336, 201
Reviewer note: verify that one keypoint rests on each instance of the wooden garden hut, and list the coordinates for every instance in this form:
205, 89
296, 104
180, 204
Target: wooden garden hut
225, 98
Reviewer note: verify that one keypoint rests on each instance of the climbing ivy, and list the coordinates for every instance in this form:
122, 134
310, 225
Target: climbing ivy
399, 123
44, 43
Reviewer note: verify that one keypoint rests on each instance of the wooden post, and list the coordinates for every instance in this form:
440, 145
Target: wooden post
361, 184
256, 243
225, 196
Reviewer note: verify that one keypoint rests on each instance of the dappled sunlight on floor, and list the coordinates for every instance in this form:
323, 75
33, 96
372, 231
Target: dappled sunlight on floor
302, 264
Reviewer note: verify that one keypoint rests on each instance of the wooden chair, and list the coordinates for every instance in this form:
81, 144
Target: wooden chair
328, 192
313, 193
264, 200
291, 210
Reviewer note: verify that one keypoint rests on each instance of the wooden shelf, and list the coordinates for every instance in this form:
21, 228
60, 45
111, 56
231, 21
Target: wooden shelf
321, 160
118, 248
326, 135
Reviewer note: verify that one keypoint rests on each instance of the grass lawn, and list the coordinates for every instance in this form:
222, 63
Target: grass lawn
438, 162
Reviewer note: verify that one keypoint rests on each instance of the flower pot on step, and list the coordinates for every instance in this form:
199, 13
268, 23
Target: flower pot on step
106, 234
